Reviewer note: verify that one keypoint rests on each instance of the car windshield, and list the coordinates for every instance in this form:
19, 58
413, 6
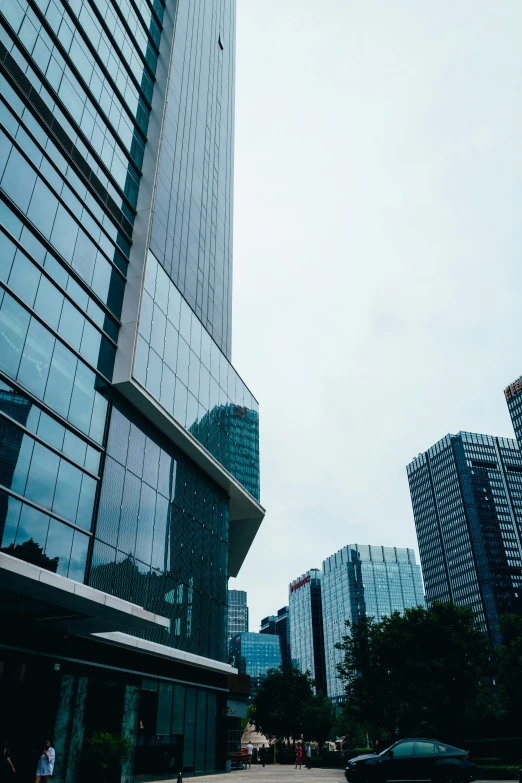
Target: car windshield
383, 752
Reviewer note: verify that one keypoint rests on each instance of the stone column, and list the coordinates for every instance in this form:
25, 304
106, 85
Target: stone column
78, 727
62, 725
129, 728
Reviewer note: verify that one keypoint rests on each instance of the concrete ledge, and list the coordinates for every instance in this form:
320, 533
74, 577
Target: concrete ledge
162, 651
86, 609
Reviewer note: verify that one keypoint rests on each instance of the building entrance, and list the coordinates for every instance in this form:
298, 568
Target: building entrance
28, 702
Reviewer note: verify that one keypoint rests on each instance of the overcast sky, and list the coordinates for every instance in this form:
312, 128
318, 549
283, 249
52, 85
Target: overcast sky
377, 257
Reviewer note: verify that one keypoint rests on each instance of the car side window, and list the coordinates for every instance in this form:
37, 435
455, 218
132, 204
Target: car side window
403, 749
441, 748
424, 748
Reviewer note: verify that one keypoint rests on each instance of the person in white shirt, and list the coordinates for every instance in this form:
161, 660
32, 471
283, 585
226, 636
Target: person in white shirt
250, 750
45, 766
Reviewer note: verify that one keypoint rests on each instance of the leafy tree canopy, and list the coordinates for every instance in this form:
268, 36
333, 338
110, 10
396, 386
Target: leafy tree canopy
419, 673
285, 706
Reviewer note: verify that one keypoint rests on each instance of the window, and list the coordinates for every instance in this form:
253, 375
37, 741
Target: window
425, 748
403, 749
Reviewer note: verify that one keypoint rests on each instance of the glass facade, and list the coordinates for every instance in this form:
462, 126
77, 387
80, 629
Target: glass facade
255, 654
116, 178
182, 367
191, 232
161, 538
466, 493
361, 580
306, 626
237, 612
279, 625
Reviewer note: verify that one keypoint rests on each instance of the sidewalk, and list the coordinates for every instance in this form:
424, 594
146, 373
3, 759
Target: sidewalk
280, 773
284, 773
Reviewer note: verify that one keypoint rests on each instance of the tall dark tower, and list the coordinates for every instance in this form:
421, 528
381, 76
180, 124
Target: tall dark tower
466, 493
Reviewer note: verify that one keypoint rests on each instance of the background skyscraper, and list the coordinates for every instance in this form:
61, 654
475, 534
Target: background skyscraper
358, 581
279, 625
306, 626
466, 494
128, 442
237, 613
255, 654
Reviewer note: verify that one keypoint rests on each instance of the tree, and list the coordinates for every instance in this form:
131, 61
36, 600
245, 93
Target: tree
419, 673
509, 666
281, 702
318, 719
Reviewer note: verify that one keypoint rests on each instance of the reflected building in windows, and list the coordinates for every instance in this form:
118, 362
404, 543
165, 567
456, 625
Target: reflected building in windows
466, 493
364, 581
129, 464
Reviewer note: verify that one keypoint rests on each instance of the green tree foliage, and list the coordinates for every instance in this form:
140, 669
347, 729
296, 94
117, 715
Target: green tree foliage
285, 706
419, 673
509, 666
106, 751
318, 719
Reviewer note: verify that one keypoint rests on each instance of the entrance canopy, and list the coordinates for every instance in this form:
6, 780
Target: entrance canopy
32, 595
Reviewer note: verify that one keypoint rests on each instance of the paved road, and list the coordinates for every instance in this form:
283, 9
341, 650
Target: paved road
286, 774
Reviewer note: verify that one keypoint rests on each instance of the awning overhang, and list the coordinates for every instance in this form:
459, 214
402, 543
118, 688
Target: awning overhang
31, 594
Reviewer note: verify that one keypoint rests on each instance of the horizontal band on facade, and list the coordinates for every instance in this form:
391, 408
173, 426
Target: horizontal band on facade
81, 609
162, 651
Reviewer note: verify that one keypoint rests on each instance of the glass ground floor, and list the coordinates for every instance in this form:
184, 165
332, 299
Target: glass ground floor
69, 690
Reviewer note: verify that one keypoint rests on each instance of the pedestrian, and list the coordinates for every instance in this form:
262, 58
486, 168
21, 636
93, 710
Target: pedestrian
262, 754
7, 769
250, 750
308, 754
45, 766
298, 756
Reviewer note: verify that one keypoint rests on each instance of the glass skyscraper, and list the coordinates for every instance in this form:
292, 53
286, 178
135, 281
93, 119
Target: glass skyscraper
306, 626
255, 654
279, 625
359, 581
129, 444
466, 493
237, 612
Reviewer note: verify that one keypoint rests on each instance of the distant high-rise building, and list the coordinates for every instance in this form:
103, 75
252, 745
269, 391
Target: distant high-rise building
358, 581
466, 493
306, 626
255, 654
279, 625
237, 612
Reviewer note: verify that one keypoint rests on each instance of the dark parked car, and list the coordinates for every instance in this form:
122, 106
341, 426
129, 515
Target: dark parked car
415, 760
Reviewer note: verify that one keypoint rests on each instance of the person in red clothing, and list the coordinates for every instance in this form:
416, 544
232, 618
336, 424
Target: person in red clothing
298, 756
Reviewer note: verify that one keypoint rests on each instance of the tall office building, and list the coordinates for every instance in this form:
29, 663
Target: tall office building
279, 625
359, 581
129, 463
466, 493
306, 626
513, 396
255, 654
237, 613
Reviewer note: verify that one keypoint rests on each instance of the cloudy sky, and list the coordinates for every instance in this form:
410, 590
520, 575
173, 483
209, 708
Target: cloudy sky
378, 239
